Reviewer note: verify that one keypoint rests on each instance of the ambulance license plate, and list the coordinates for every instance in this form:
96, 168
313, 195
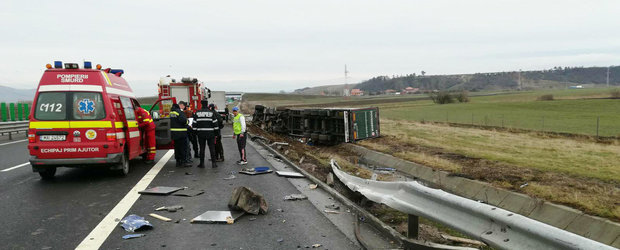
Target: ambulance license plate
53, 137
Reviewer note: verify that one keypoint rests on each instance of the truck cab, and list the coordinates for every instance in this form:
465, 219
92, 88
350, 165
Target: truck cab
83, 117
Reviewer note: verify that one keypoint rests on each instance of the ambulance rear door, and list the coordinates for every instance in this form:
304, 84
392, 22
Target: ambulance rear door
160, 112
124, 108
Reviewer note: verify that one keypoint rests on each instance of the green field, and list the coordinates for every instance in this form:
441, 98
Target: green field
573, 111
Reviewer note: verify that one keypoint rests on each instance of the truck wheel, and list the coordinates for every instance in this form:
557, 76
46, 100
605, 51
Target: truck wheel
47, 173
123, 166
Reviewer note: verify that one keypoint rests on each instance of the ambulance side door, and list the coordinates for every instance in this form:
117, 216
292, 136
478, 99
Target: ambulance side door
132, 132
160, 112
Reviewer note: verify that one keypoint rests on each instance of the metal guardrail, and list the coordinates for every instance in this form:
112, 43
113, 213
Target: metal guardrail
11, 128
497, 227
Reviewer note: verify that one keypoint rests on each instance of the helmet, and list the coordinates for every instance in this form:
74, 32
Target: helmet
235, 109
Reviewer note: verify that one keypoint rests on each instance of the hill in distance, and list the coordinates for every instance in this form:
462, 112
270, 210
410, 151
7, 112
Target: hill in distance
9, 94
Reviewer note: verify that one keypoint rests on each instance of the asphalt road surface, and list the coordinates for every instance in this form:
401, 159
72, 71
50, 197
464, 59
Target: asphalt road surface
82, 207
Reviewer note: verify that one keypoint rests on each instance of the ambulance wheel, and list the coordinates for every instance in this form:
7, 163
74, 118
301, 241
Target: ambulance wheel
47, 173
123, 166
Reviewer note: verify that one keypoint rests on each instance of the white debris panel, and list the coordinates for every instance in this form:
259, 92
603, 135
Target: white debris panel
497, 227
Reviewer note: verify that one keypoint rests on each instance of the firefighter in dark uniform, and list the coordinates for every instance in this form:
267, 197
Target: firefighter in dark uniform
206, 125
219, 148
178, 129
190, 133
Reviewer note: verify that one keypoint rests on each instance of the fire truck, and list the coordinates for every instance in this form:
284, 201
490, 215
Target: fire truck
189, 89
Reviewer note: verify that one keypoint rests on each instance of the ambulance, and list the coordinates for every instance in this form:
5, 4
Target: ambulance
83, 117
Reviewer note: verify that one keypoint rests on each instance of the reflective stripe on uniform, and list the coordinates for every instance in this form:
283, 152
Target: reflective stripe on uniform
178, 129
204, 129
174, 113
204, 120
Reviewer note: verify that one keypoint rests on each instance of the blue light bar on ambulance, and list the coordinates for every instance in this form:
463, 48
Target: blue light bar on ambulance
114, 71
88, 65
58, 64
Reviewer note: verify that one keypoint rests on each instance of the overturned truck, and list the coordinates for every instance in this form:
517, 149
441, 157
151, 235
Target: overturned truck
320, 125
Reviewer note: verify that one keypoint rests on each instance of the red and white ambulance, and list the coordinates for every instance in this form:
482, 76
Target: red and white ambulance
84, 117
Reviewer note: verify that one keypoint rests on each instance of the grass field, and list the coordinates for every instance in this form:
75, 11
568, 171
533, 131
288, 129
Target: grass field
573, 111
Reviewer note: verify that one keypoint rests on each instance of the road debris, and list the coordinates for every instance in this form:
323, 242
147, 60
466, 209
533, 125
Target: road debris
256, 170
333, 206
188, 173
246, 199
230, 177
280, 240
280, 210
313, 186
316, 245
227, 217
133, 236
133, 223
189, 193
331, 211
253, 219
160, 190
170, 208
294, 197
289, 174
157, 216
462, 240
278, 143
302, 159
524, 185
330, 179
386, 169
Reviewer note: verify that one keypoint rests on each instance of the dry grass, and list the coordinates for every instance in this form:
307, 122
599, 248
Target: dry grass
581, 174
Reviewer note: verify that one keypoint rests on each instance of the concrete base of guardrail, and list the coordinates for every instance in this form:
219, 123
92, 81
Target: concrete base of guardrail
569, 219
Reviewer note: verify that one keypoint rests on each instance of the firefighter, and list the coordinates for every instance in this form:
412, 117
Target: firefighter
178, 129
219, 148
190, 132
147, 127
206, 125
239, 133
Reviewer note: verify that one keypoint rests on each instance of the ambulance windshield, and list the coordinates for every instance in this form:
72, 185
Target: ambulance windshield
82, 106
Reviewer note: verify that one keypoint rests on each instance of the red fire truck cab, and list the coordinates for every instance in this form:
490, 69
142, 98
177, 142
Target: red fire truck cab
83, 117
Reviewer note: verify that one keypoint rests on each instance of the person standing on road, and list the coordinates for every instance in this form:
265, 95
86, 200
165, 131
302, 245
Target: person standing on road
190, 132
239, 133
178, 129
206, 124
219, 148
147, 129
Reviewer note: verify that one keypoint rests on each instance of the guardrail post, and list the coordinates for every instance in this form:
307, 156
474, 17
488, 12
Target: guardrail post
12, 111
413, 226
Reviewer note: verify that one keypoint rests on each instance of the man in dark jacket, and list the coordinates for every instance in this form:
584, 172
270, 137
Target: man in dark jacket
178, 129
219, 148
190, 133
206, 126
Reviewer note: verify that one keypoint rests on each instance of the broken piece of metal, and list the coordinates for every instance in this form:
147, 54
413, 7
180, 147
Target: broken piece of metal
189, 193
227, 217
160, 190
331, 211
313, 186
133, 236
157, 216
294, 197
133, 223
289, 174
462, 240
169, 208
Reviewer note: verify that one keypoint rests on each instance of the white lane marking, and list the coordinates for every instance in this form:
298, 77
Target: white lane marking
18, 166
95, 238
13, 142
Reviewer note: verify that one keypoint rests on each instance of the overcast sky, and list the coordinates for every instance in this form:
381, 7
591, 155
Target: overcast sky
267, 46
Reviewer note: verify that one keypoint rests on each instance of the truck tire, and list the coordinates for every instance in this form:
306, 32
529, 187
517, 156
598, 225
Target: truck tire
122, 168
47, 173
